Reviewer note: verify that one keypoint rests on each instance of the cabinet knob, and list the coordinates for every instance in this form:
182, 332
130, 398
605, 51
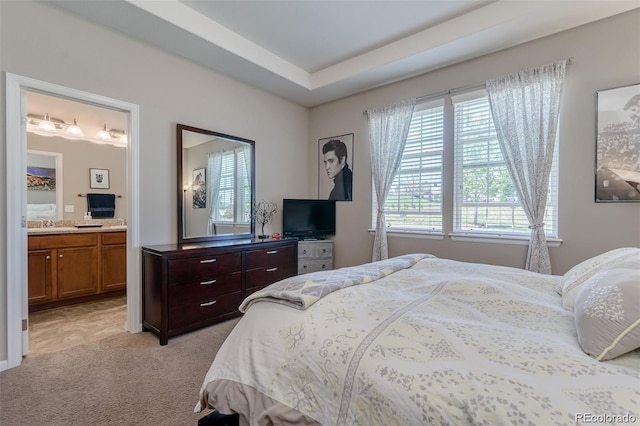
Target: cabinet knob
60, 255
304, 251
48, 257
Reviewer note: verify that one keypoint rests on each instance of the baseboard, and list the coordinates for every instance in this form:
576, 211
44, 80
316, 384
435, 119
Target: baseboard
3, 365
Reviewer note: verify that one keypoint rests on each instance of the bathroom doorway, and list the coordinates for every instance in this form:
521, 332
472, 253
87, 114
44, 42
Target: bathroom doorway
16, 116
83, 138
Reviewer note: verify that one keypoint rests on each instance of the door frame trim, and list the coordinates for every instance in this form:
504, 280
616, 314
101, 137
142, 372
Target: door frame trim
16, 304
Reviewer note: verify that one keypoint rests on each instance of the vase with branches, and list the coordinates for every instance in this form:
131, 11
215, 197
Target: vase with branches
264, 212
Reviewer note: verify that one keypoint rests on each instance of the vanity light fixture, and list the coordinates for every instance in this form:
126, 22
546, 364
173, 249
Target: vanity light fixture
74, 129
46, 125
103, 134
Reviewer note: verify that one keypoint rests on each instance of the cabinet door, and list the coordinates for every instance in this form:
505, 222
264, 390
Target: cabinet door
77, 271
114, 267
40, 279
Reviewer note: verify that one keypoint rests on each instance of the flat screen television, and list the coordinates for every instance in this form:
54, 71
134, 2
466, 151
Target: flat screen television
310, 219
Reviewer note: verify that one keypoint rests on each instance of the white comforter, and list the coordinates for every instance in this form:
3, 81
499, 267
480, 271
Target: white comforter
442, 342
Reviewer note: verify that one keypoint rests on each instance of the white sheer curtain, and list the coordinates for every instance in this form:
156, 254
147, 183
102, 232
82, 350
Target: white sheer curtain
525, 108
388, 129
214, 172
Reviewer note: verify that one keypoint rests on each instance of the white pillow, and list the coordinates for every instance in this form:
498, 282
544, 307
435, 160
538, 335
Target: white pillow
579, 274
607, 312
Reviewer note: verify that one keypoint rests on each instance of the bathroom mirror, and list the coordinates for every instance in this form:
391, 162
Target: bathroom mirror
216, 185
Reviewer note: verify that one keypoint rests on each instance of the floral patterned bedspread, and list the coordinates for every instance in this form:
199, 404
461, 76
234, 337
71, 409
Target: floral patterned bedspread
440, 342
302, 291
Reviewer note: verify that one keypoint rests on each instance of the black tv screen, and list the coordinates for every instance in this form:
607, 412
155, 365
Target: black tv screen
308, 218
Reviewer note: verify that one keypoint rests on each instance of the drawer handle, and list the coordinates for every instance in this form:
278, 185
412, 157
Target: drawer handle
207, 282
204, 305
272, 251
272, 269
208, 261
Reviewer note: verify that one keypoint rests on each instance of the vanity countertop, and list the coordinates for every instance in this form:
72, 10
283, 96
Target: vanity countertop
48, 227
75, 230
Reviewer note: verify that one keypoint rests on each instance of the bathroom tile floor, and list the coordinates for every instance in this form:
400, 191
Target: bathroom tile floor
61, 328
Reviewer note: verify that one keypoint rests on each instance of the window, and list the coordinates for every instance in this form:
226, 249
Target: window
484, 200
415, 198
234, 180
484, 197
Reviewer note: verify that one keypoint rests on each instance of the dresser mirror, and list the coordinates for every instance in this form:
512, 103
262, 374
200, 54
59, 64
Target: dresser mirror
216, 186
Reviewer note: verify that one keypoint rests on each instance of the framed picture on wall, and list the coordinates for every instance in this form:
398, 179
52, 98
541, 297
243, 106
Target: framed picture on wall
335, 168
199, 187
41, 179
99, 178
618, 145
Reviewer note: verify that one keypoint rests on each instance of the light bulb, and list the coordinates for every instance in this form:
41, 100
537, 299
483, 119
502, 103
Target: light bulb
103, 134
47, 125
74, 129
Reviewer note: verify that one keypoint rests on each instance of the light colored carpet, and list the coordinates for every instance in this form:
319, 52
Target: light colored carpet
125, 379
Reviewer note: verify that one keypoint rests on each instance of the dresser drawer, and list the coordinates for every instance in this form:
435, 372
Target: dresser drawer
203, 309
262, 277
270, 257
307, 266
204, 267
193, 291
315, 250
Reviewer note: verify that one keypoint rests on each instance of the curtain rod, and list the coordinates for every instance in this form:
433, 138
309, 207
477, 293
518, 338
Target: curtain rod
464, 88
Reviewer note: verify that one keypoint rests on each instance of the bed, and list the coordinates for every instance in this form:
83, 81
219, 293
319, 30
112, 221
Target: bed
417, 340
44, 211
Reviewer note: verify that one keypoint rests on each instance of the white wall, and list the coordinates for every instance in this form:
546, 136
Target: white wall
42, 42
606, 54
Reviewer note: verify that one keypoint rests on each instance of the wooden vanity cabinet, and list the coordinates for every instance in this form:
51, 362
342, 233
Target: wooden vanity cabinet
114, 261
190, 286
68, 263
40, 274
71, 267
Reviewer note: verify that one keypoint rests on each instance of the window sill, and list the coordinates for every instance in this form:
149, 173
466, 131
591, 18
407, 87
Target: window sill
499, 239
405, 233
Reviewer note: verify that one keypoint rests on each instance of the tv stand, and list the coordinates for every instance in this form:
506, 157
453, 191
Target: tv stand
315, 255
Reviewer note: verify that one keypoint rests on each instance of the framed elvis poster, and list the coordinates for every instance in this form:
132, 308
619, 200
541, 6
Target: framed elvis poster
335, 168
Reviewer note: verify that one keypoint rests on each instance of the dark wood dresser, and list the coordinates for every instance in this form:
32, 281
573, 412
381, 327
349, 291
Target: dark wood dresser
190, 286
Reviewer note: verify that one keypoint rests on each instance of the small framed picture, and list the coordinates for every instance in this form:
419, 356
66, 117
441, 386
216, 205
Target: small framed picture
99, 178
199, 189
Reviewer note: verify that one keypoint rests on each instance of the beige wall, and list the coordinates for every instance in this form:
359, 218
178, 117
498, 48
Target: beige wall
606, 54
78, 157
42, 42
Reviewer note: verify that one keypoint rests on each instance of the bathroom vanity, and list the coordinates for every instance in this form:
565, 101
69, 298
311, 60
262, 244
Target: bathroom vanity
72, 265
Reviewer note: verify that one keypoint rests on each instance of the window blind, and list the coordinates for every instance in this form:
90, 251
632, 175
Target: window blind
484, 197
415, 197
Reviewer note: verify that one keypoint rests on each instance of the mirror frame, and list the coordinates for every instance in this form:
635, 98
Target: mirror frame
180, 192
